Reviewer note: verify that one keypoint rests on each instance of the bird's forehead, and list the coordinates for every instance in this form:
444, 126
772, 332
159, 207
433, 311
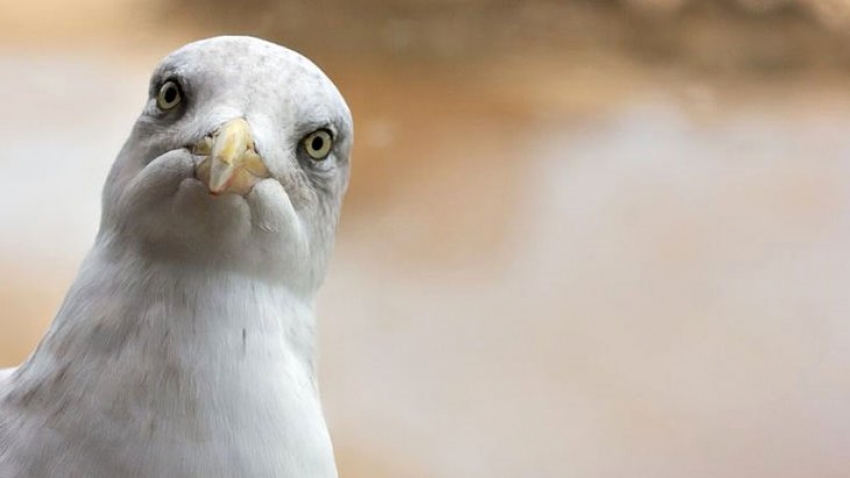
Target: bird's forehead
239, 57
249, 67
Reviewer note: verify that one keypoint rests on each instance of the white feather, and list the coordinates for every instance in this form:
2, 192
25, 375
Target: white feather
185, 345
6, 373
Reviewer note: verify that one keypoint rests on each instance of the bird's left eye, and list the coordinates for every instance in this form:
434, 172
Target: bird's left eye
169, 95
318, 144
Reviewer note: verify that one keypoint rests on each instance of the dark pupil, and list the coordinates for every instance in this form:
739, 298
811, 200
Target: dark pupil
170, 94
317, 143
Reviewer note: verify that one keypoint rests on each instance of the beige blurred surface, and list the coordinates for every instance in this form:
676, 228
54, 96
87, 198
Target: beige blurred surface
549, 265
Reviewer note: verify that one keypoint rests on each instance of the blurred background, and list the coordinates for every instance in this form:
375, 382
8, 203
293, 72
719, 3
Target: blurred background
582, 239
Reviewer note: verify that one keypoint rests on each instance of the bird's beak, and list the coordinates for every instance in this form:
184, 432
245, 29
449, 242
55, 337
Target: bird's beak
231, 163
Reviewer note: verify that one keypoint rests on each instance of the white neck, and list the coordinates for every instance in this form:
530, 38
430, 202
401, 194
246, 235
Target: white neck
222, 360
124, 299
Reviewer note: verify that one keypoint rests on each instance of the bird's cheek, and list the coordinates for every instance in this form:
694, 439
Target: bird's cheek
276, 221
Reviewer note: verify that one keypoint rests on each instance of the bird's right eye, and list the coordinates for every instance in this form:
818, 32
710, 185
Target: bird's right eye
169, 95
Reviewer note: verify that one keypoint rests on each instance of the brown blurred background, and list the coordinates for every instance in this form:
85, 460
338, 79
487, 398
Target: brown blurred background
583, 238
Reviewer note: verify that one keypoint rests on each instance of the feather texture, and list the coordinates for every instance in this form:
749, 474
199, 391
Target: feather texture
185, 346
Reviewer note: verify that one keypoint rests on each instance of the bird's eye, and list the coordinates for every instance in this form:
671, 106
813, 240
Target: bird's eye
318, 144
169, 95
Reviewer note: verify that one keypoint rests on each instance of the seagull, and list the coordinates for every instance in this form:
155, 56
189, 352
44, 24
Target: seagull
185, 345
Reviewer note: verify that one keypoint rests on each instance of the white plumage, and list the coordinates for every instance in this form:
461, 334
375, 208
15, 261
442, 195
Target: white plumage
185, 345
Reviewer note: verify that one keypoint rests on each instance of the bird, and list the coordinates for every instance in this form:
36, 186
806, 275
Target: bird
185, 346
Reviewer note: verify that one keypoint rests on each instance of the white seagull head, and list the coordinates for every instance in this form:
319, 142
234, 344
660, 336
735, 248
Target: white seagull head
239, 161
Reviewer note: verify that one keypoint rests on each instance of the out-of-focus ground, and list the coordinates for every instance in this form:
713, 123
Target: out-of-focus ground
559, 257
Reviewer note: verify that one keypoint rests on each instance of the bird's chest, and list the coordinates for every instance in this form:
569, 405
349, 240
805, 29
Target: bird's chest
215, 417
245, 420
187, 385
